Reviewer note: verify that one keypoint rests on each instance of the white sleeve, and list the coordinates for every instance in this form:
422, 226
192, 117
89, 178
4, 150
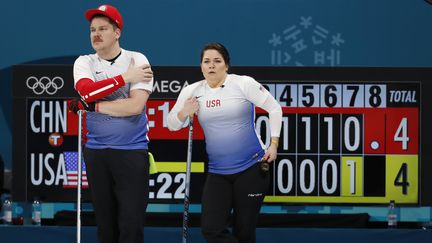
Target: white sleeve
261, 97
140, 59
275, 115
173, 121
82, 69
254, 91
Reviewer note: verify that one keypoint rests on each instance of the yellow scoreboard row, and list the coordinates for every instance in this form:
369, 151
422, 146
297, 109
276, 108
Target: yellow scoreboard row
399, 181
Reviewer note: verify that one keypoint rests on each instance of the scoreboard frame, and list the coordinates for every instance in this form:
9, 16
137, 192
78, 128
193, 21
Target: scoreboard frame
176, 77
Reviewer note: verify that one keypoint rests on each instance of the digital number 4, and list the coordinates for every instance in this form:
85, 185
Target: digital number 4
402, 179
401, 134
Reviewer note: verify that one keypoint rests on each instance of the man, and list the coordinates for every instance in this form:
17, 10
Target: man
114, 85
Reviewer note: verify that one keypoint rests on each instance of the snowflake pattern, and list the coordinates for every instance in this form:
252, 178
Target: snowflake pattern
306, 43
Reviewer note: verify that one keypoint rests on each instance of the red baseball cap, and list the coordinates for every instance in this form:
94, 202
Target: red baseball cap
108, 11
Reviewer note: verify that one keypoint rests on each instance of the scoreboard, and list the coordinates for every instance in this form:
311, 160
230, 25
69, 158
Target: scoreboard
349, 135
345, 142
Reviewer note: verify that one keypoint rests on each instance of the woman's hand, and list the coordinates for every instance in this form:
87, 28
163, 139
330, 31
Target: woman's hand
190, 107
271, 153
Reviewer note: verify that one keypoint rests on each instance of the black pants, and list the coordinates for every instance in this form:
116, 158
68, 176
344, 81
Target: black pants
243, 194
119, 184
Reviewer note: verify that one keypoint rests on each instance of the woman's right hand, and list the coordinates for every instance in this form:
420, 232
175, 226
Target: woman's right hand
190, 107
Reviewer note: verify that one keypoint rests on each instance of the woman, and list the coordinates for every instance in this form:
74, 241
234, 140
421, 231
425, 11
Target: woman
225, 106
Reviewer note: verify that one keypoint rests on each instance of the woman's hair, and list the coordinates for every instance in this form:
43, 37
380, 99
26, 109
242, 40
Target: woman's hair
219, 48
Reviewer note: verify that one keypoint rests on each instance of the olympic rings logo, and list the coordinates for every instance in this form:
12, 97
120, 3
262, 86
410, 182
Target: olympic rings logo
44, 84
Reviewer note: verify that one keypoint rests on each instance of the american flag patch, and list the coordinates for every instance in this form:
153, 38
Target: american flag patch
71, 163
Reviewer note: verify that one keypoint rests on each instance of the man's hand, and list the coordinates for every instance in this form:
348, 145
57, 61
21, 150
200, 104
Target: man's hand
77, 104
141, 73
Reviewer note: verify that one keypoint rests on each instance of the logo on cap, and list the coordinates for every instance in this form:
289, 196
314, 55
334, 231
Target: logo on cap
108, 11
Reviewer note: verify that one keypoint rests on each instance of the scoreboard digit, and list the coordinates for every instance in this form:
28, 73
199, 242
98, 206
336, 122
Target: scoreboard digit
345, 142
